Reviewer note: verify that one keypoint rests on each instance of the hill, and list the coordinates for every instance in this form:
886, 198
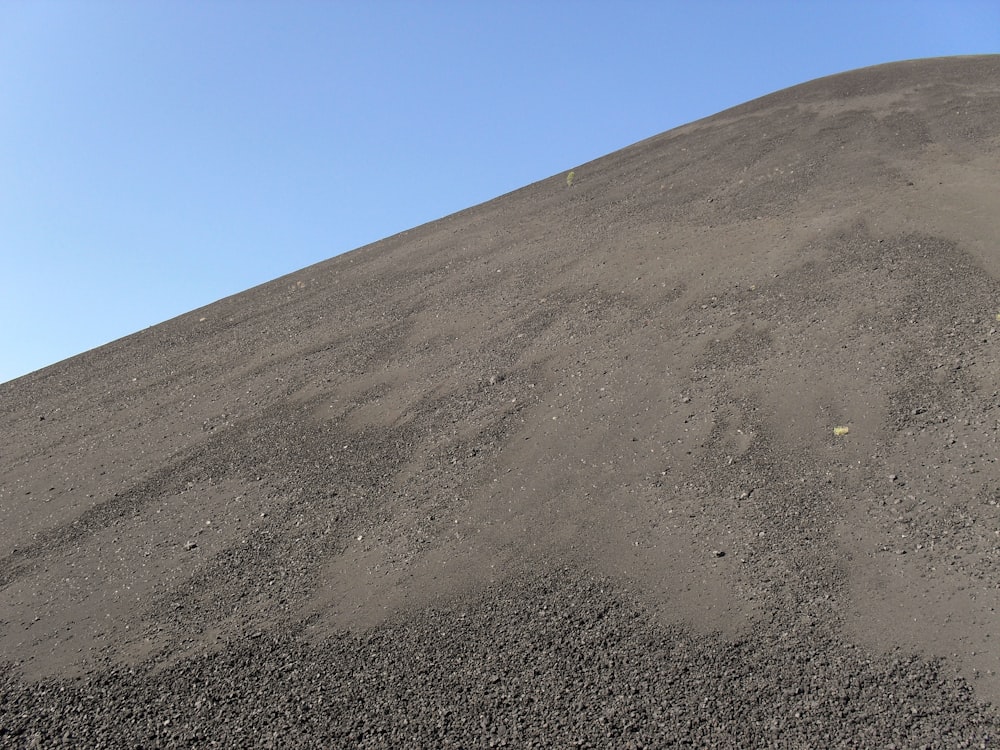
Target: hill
569, 466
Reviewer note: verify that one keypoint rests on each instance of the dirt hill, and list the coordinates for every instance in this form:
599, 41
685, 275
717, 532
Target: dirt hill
698, 447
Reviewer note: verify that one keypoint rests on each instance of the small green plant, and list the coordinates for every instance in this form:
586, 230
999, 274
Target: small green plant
569, 179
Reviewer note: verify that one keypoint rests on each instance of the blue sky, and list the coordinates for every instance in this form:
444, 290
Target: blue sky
157, 156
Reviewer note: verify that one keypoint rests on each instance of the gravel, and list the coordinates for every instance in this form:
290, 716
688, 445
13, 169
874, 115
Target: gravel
559, 659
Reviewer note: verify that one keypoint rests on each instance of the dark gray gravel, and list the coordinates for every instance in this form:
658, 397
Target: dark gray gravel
559, 660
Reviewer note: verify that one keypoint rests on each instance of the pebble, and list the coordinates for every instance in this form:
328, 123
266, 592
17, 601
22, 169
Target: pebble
558, 660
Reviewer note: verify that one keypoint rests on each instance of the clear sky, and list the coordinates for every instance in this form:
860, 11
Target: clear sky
156, 156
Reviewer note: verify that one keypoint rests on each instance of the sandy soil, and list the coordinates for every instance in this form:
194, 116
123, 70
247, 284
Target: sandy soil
559, 470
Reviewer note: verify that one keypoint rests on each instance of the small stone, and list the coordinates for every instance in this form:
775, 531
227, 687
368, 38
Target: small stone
190, 545
719, 552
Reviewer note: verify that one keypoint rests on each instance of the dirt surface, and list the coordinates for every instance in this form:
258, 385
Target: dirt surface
563, 469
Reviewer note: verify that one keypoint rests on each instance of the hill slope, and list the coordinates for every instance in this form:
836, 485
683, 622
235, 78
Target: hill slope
559, 467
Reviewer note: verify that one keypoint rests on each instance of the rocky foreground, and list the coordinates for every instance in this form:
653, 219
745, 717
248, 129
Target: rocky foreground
555, 660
